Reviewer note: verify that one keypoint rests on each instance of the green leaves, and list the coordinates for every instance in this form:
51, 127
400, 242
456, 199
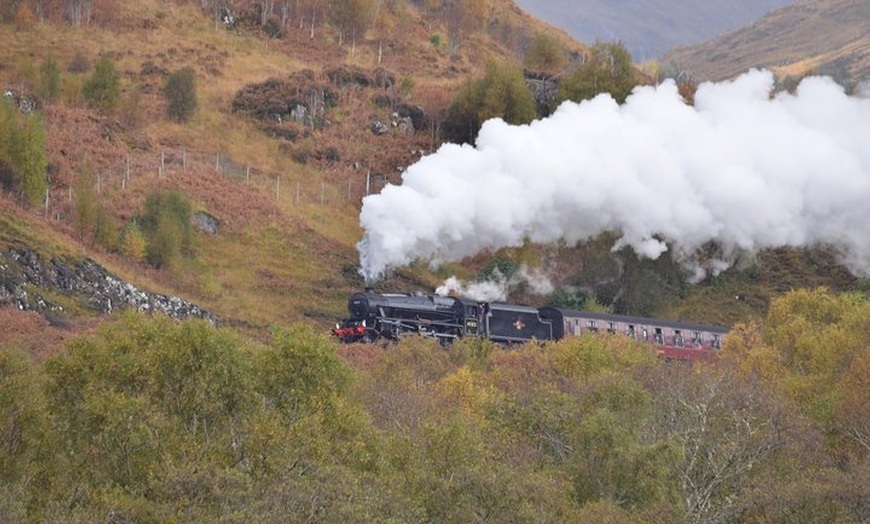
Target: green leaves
102, 90
157, 420
23, 160
607, 69
502, 92
180, 93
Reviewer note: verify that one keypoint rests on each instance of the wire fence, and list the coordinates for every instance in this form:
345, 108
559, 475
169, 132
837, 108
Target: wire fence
346, 186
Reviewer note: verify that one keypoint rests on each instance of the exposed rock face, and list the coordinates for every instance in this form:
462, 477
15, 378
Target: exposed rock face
26, 280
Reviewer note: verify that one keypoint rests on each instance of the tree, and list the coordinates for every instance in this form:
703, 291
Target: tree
102, 90
166, 224
23, 160
24, 17
133, 242
501, 93
85, 204
852, 415
351, 17
464, 17
49, 86
607, 69
31, 160
816, 335
180, 93
22, 423
722, 427
546, 54
79, 12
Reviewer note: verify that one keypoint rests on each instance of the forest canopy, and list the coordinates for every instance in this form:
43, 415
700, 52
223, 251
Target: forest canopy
154, 419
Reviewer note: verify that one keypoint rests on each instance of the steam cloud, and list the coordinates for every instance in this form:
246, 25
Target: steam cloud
498, 287
741, 168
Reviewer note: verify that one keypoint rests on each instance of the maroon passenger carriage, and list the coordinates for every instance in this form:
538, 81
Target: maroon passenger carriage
673, 340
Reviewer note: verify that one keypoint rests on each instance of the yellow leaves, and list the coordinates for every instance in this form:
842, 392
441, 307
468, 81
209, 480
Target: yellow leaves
745, 347
463, 392
809, 340
585, 356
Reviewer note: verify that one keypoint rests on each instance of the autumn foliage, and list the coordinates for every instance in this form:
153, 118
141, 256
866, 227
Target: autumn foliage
153, 419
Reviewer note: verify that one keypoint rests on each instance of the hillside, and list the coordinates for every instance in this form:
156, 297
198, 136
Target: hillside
285, 194
291, 132
649, 29
829, 37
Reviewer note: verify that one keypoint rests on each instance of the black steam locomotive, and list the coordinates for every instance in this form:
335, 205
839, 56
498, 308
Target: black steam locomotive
375, 316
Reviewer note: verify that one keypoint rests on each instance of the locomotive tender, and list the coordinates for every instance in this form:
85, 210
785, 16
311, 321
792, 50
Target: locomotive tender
375, 316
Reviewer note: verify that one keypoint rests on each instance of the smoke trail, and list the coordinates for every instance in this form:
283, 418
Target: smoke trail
740, 168
498, 286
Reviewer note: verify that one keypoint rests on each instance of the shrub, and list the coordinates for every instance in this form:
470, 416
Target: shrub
49, 75
166, 224
180, 93
164, 246
102, 91
133, 244
23, 160
105, 229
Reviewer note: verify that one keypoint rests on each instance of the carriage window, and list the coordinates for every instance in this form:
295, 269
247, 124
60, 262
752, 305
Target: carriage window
645, 334
592, 326
630, 331
659, 338
678, 338
611, 327
696, 339
716, 342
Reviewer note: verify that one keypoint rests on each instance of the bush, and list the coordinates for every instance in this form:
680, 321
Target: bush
23, 160
166, 224
501, 93
49, 75
180, 93
102, 91
133, 242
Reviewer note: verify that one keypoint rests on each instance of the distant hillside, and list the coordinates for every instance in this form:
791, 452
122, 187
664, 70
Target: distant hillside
649, 28
830, 37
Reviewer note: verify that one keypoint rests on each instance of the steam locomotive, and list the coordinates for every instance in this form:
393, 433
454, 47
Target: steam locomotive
375, 316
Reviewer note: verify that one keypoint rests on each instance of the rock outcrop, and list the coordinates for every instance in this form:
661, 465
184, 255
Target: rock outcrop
30, 282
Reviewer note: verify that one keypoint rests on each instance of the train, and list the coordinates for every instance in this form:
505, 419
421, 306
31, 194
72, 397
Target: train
378, 317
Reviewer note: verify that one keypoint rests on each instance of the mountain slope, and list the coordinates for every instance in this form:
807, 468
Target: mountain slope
285, 194
830, 37
652, 27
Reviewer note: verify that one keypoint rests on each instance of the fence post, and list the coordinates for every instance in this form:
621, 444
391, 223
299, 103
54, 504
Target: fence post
127, 169
247, 175
368, 183
217, 162
162, 159
47, 206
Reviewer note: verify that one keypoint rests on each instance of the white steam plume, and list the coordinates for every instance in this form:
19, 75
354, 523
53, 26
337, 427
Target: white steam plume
499, 286
739, 168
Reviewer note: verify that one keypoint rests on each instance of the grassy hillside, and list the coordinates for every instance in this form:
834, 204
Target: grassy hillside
830, 37
286, 195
